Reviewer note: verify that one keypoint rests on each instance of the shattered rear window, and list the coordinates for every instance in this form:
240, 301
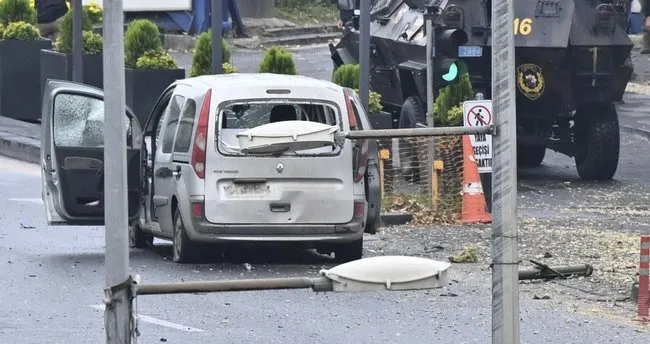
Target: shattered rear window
237, 117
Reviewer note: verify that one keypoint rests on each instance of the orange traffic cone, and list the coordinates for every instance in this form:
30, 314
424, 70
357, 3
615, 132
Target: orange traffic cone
474, 206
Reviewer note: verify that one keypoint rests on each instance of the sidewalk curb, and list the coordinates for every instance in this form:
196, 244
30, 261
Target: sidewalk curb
395, 219
21, 148
300, 35
635, 131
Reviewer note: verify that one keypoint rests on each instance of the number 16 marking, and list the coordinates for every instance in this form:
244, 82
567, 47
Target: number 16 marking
523, 26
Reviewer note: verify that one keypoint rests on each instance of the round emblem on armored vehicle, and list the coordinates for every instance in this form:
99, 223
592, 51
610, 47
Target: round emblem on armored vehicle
530, 80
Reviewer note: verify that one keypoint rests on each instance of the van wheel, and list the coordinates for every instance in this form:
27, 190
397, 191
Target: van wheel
349, 251
184, 251
138, 238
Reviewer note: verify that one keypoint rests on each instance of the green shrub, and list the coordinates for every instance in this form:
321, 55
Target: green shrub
94, 12
202, 58
278, 61
228, 68
141, 36
347, 76
93, 43
17, 10
455, 116
64, 41
449, 97
156, 59
374, 103
22, 31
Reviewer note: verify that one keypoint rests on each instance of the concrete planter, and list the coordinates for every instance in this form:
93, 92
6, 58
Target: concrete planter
19, 78
57, 65
144, 86
382, 120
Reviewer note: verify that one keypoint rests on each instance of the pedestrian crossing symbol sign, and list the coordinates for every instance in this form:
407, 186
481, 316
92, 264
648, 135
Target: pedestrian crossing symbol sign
478, 113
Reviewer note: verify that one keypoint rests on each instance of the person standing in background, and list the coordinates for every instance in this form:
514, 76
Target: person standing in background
50, 14
645, 11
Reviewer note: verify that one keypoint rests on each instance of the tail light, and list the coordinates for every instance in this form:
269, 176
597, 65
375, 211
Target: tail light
201, 137
348, 104
359, 209
360, 156
197, 209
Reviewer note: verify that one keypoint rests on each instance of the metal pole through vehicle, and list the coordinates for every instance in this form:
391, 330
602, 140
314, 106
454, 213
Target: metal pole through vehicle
217, 58
364, 53
505, 260
116, 257
77, 41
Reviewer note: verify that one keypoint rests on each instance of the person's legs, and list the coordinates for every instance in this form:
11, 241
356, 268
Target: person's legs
56, 29
50, 30
646, 42
47, 29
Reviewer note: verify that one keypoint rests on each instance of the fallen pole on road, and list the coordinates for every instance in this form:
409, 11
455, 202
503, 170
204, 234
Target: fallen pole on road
543, 271
318, 284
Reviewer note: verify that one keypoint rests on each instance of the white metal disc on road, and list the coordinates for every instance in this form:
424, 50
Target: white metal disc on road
388, 273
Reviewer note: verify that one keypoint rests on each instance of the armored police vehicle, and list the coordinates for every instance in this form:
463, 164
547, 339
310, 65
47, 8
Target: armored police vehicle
570, 69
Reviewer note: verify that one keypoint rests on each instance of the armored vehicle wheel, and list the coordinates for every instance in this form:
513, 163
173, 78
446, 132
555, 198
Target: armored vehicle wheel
530, 155
598, 132
412, 113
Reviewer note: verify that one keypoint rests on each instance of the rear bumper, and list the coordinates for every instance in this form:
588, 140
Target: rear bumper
202, 231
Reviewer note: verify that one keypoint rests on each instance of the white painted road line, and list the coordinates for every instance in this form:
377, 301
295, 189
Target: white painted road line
28, 200
159, 322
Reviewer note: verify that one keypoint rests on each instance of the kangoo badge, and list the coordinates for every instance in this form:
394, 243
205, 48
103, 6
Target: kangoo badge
530, 80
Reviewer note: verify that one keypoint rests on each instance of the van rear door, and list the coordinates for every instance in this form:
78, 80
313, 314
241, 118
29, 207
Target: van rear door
281, 168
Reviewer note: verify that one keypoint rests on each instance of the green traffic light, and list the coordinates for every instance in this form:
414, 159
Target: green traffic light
452, 73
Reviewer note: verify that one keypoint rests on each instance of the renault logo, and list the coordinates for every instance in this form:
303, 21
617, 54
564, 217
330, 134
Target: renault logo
279, 167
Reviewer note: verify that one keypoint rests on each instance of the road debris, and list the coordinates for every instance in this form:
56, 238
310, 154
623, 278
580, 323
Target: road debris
543, 271
467, 255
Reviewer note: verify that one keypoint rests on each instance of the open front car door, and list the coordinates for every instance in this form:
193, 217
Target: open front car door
72, 155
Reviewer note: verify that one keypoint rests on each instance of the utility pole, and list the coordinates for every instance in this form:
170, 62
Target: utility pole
431, 43
217, 22
364, 53
77, 41
505, 259
117, 296
430, 46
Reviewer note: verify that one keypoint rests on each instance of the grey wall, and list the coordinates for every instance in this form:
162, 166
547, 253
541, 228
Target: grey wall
256, 8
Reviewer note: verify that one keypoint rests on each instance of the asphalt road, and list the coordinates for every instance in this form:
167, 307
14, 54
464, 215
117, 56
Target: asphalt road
52, 280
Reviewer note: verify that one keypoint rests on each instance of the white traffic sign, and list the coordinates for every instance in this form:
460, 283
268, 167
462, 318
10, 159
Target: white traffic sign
478, 113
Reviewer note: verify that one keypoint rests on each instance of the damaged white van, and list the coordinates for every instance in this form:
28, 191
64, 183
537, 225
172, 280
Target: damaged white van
221, 159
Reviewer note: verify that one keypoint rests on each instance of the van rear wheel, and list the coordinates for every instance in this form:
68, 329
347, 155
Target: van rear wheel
184, 251
349, 251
